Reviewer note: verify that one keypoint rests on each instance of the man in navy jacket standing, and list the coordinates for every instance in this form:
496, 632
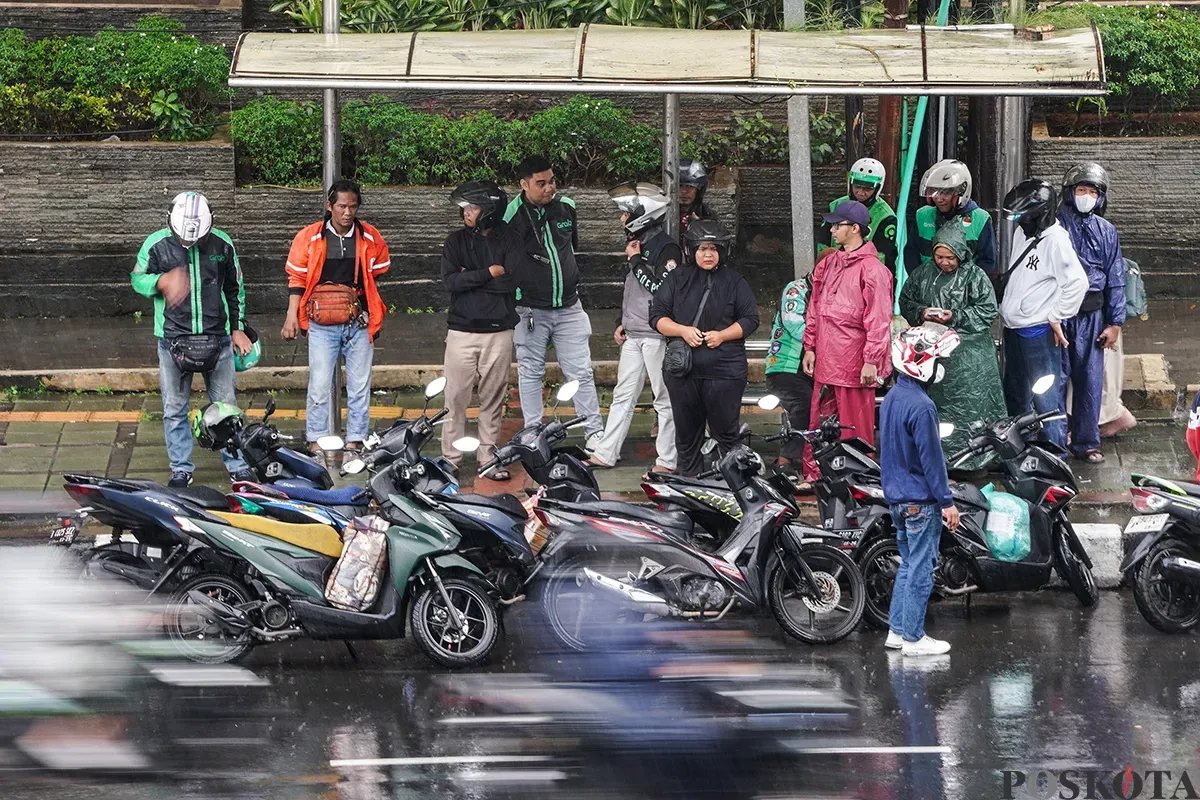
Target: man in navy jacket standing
914, 481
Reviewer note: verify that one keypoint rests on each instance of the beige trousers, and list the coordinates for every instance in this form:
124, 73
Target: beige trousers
485, 357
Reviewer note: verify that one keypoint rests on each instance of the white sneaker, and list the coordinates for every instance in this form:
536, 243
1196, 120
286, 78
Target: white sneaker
894, 641
926, 647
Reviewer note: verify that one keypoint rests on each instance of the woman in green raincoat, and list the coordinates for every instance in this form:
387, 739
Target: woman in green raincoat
952, 291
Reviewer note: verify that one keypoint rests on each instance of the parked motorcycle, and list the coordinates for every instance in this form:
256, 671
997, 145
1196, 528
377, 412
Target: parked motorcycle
1035, 471
1163, 561
269, 585
605, 569
261, 445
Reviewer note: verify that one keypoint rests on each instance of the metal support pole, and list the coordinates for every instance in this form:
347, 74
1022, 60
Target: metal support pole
800, 159
887, 138
670, 159
332, 162
1014, 160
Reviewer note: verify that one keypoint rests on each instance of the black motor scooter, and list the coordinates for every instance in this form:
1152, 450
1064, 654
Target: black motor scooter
1163, 559
1035, 471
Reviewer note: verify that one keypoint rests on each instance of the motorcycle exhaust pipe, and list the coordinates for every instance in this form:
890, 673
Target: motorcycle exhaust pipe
233, 619
641, 601
1182, 569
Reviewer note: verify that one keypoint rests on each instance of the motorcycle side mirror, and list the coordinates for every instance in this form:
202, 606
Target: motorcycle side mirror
467, 444
768, 402
945, 429
435, 387
1043, 384
354, 467
567, 391
270, 408
331, 443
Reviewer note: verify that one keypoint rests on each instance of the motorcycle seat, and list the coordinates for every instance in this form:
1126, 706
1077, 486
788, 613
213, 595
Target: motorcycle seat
508, 503
675, 520
715, 482
205, 497
346, 496
316, 537
1170, 486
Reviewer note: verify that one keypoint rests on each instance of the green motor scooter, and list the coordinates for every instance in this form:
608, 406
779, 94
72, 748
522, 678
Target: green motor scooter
268, 585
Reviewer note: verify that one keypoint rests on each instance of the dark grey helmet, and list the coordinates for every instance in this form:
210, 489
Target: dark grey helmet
692, 173
1088, 172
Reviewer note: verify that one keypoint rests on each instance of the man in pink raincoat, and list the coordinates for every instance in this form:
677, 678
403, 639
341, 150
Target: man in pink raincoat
847, 335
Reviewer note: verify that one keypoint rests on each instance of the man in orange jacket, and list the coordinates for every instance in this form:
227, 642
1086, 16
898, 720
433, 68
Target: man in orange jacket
332, 267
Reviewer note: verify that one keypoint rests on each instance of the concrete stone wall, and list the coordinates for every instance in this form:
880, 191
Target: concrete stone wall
1151, 201
41, 20
76, 214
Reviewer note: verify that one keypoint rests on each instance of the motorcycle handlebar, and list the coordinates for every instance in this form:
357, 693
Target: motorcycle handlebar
709, 473
438, 415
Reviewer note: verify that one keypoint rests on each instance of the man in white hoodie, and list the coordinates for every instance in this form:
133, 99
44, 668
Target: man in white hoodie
1042, 285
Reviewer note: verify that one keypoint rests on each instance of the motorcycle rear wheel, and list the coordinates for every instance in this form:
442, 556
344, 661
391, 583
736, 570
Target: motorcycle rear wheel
829, 618
1076, 573
879, 565
198, 638
429, 621
1171, 606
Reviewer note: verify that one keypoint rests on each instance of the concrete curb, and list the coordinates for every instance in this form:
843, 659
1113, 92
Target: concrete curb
1103, 543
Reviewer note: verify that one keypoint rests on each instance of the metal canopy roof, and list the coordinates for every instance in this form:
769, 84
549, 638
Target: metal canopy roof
973, 60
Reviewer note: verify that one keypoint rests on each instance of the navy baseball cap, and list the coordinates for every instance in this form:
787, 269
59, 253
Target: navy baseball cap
850, 211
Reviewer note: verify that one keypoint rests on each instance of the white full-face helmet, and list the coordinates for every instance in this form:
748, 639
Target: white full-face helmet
190, 218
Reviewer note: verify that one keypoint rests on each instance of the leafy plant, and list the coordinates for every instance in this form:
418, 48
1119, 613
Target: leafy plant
172, 116
137, 317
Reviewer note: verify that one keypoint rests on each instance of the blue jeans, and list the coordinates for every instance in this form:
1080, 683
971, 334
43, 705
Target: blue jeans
325, 344
918, 531
176, 389
1026, 360
569, 330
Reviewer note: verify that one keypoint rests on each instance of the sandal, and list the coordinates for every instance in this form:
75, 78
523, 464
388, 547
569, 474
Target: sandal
658, 468
595, 463
500, 475
1093, 457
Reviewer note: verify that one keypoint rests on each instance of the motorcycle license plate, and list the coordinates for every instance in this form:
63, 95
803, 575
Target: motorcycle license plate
1151, 523
64, 535
851, 536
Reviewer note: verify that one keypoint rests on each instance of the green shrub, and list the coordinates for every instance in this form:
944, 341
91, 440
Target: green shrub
126, 69
278, 141
753, 139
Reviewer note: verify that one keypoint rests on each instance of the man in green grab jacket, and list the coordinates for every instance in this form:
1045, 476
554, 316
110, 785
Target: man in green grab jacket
785, 379
946, 186
864, 183
192, 273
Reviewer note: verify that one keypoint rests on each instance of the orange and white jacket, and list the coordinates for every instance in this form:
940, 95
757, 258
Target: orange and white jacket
307, 256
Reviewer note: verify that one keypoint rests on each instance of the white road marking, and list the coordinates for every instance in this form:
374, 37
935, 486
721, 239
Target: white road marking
435, 760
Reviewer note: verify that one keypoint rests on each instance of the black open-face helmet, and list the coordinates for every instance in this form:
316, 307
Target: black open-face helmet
706, 231
1032, 204
487, 195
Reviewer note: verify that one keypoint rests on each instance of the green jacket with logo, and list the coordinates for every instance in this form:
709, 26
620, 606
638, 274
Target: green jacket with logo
217, 300
883, 230
539, 252
976, 225
787, 332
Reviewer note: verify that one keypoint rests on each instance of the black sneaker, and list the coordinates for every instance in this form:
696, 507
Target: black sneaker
242, 476
180, 480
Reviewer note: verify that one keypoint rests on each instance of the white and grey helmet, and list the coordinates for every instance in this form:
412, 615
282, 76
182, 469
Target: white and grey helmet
190, 218
867, 172
645, 204
948, 175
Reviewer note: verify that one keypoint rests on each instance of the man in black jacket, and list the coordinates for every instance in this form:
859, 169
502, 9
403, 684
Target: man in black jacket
539, 253
481, 318
191, 272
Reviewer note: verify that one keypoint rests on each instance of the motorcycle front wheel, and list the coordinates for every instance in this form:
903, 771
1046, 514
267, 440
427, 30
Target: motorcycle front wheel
582, 617
430, 623
1072, 570
1171, 606
830, 613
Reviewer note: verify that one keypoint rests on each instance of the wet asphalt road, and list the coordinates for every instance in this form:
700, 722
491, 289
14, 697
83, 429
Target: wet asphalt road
1033, 682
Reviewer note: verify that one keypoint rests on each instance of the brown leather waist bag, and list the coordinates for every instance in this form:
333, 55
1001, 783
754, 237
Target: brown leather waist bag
332, 304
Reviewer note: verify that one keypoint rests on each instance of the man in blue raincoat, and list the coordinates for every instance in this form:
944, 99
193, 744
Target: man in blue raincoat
1098, 324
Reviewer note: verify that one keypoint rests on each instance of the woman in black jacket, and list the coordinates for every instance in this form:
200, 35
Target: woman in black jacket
711, 393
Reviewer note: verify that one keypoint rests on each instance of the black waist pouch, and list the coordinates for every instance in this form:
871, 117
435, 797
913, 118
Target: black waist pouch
197, 352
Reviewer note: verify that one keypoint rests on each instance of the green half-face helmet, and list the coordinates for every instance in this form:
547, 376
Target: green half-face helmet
214, 425
241, 363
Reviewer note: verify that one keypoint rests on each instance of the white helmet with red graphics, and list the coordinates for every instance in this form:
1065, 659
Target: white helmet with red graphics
918, 352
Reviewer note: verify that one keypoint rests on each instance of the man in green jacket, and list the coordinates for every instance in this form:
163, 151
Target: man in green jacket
864, 183
785, 379
191, 271
946, 186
